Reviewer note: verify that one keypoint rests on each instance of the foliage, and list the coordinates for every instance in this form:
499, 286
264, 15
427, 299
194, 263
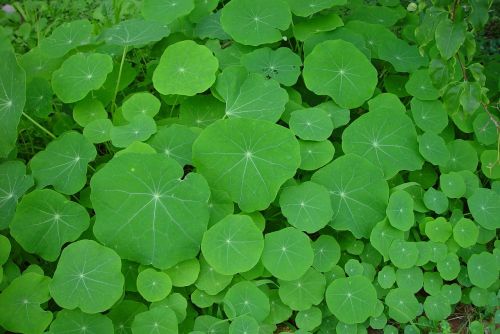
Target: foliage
249, 166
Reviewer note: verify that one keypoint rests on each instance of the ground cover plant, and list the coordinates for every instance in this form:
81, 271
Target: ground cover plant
249, 166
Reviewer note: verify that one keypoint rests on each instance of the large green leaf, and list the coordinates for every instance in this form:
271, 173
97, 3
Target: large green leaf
249, 159
338, 69
147, 212
135, 32
166, 11
13, 184
66, 37
12, 100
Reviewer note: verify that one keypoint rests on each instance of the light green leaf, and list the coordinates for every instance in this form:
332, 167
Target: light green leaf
255, 22
146, 212
244, 324
465, 233
139, 129
401, 55
403, 254
484, 205
438, 230
63, 163
403, 305
483, 269
429, 116
12, 100
338, 69
309, 7
358, 193
98, 131
166, 11
449, 267
233, 245
436, 200
211, 281
387, 139
249, 159
185, 68
45, 220
314, 154
433, 148
160, 320
66, 37
13, 184
143, 103
245, 298
400, 210
437, 307
80, 74
311, 124
452, 184
135, 32
153, 285
420, 85
449, 37
326, 253
88, 276
89, 110
300, 294
69, 321
176, 142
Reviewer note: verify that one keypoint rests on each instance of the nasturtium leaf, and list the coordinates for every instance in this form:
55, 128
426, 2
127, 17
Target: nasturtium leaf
315, 154
139, 129
21, 301
80, 74
449, 267
279, 312
375, 35
383, 235
184, 273
146, 212
143, 103
176, 142
39, 97
358, 193
244, 325
250, 95
208, 323
436, 200
5, 248
429, 116
135, 32
401, 55
338, 69
433, 148
12, 100
326, 253
63, 163
309, 319
66, 37
166, 11
255, 22
449, 37
211, 281
386, 277
353, 268
200, 111
98, 131
210, 27
403, 254
410, 278
69, 321
160, 320
490, 164
185, 68
484, 205
387, 139
452, 184
123, 313
306, 206
45, 220
233, 245
249, 159
483, 269
352, 300
302, 293
153, 285
383, 15
438, 230
304, 29
287, 254
311, 124
281, 64
386, 102
452, 292
403, 305
420, 86
13, 184
245, 298
177, 303
485, 129
465, 233
400, 210
88, 110
463, 156
309, 7
88, 276
437, 307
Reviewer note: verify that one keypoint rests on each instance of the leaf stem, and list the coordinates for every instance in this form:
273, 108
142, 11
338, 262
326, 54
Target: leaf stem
113, 102
38, 125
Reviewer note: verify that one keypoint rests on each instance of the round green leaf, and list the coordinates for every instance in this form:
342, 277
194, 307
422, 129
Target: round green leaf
98, 131
153, 285
386, 277
314, 155
338, 69
21, 302
244, 325
463, 156
358, 193
483, 269
449, 267
184, 273
176, 142
433, 148
403, 254
306, 206
249, 159
140, 104
436, 200
233, 245
309, 319
429, 116
484, 205
245, 298
255, 22
287, 253
45, 220
465, 233
80, 74
302, 293
401, 55
69, 321
281, 64
438, 230
411, 279
452, 184
139, 129
146, 212
420, 85
311, 124
352, 300
88, 276
400, 210
63, 163
437, 307
326, 253
135, 32
211, 281
200, 111
13, 184
452, 292
309, 7
160, 320
166, 11
403, 305
387, 139
66, 37
185, 68
89, 110
383, 235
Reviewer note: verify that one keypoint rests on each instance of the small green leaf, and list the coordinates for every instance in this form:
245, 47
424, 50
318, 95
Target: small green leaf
449, 37
135, 32
465, 233
420, 85
438, 230
160, 320
143, 103
403, 254
314, 154
483, 269
452, 184
403, 305
245, 298
166, 11
302, 293
311, 124
141, 128
153, 285
484, 204
429, 116
400, 210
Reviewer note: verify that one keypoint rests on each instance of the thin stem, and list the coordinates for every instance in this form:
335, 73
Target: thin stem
454, 9
41, 127
113, 102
